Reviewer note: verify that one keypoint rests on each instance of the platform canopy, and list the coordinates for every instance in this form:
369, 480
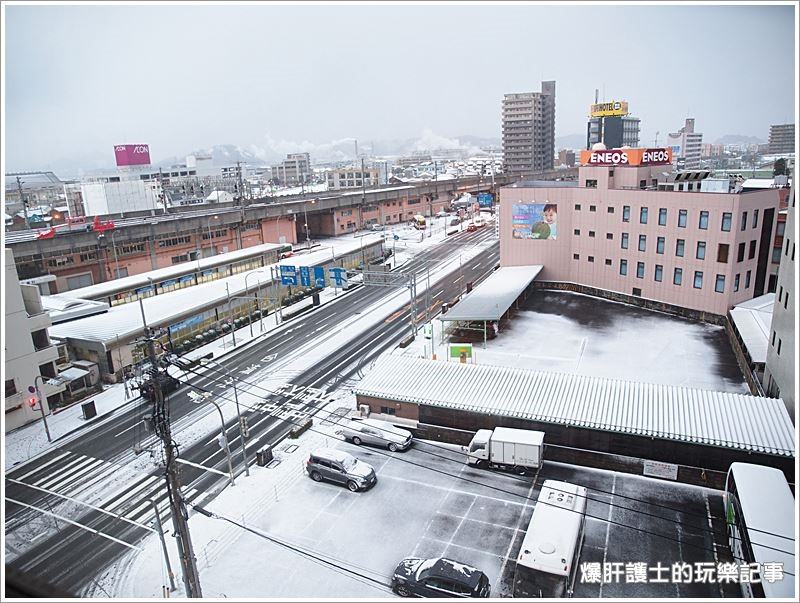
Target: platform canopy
494, 296
753, 319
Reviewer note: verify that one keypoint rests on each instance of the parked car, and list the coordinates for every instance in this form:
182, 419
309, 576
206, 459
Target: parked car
455, 221
439, 577
378, 227
340, 467
472, 227
441, 214
480, 222
378, 433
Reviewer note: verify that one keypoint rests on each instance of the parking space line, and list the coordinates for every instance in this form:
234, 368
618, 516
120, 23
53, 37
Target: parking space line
514, 537
462, 546
419, 483
713, 540
460, 523
486, 523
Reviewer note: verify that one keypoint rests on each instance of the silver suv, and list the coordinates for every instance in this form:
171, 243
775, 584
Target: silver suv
378, 433
341, 468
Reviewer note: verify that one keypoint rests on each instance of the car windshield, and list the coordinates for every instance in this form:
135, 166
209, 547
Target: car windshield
349, 463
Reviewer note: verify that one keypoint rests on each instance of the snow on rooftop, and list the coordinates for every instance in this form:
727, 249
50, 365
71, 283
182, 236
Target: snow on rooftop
492, 297
753, 319
670, 412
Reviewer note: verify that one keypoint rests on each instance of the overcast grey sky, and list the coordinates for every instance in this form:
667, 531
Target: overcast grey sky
80, 79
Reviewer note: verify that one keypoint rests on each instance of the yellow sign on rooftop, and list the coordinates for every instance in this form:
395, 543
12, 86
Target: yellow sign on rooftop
609, 109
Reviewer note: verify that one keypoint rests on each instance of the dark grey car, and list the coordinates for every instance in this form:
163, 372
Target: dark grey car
337, 466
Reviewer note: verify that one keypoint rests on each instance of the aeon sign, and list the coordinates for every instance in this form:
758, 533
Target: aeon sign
132, 154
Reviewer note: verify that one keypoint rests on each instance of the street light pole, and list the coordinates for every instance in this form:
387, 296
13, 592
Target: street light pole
41, 405
238, 414
224, 437
210, 239
230, 314
248, 275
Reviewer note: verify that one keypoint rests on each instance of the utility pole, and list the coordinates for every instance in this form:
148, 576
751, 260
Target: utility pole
241, 188
363, 195
160, 422
24, 204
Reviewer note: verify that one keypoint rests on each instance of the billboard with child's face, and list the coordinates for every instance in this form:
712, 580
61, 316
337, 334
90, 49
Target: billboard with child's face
534, 221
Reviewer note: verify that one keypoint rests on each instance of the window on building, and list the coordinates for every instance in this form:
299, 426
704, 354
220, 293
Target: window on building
643, 215
591, 259
736, 280
747, 279
680, 245
642, 242
577, 232
659, 273
682, 213
740, 253
626, 213
624, 240
576, 256
744, 221
701, 250
591, 233
592, 208
755, 218
779, 345
639, 269
677, 277
623, 267
610, 209
726, 222
609, 236
577, 207
780, 229
776, 255
11, 388
698, 279
608, 262
703, 225
660, 245
591, 184
388, 410
722, 253
719, 286
786, 301
662, 216
752, 253
773, 337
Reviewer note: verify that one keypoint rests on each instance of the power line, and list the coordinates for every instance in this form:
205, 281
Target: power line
498, 489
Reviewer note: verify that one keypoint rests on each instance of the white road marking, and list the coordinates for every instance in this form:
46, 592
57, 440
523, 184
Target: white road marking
40, 467
185, 462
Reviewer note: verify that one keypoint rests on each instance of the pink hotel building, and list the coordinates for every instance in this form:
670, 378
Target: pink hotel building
614, 234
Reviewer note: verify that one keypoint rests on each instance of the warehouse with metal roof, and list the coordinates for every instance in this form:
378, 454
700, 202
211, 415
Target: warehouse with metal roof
593, 413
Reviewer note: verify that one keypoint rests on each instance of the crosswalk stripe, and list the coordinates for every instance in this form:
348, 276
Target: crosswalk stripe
77, 460
86, 468
42, 466
128, 493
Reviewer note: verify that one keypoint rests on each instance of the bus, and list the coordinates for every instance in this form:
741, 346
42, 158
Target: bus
547, 564
419, 222
760, 515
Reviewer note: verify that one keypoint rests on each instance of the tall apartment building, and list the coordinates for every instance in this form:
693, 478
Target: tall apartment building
614, 233
296, 168
779, 375
29, 352
529, 125
686, 146
781, 139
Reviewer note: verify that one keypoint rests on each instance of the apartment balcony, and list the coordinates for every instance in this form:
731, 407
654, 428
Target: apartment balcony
39, 321
45, 355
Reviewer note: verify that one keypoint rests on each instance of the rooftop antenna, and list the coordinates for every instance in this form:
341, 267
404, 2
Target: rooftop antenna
596, 92
655, 143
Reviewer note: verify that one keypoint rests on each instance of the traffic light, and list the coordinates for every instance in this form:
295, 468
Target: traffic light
245, 428
32, 402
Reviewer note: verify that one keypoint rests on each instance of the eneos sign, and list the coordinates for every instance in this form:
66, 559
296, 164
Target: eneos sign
627, 157
132, 154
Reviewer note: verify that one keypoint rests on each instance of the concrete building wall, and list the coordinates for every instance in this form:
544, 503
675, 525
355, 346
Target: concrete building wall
591, 226
779, 376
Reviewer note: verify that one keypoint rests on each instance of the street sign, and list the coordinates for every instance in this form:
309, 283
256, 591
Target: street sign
319, 276
305, 276
485, 199
456, 349
288, 275
338, 275
427, 331
396, 237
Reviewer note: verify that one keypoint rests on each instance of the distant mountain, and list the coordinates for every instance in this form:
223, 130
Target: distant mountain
571, 141
221, 154
739, 139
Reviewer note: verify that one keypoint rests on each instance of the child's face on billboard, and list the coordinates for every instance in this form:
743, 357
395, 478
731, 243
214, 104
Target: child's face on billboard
550, 216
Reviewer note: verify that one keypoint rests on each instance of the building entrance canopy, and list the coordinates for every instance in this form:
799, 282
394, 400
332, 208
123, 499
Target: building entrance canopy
494, 296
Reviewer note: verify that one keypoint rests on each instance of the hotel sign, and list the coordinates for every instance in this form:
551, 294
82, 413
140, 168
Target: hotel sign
627, 157
609, 109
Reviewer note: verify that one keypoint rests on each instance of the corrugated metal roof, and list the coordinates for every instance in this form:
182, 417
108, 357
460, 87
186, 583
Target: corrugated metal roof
664, 411
753, 319
490, 299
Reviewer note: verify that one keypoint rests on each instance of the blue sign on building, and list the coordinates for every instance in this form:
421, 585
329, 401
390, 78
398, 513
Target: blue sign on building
485, 199
319, 276
305, 276
288, 275
339, 275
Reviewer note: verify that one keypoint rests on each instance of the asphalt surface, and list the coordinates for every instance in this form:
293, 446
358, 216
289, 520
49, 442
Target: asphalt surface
99, 465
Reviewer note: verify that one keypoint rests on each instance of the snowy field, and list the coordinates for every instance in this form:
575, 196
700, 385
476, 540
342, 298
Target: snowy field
573, 333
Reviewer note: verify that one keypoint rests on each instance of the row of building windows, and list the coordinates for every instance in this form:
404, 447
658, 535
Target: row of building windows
683, 216
677, 275
175, 241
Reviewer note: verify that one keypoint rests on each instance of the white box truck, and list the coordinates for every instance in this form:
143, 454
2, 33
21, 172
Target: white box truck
506, 448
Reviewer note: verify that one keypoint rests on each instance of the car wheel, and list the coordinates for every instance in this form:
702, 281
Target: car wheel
316, 476
402, 590
392, 447
482, 464
352, 486
357, 441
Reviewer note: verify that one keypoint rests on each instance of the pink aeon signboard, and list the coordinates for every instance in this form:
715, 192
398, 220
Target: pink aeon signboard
132, 154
